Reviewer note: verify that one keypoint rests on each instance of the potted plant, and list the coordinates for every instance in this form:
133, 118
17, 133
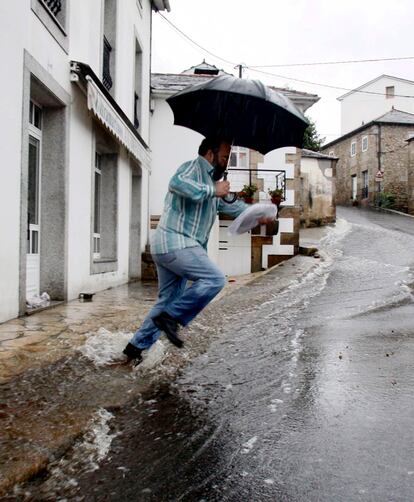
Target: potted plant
276, 194
247, 193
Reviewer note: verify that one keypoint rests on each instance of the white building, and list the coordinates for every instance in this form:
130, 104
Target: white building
373, 99
173, 145
75, 156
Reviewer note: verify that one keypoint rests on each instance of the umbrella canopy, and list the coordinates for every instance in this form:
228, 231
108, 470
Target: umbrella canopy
244, 111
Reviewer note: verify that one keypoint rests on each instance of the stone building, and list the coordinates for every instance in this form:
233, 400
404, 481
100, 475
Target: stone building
410, 174
374, 158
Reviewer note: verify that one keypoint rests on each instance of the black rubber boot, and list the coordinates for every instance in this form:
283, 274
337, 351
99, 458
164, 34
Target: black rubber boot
169, 326
133, 353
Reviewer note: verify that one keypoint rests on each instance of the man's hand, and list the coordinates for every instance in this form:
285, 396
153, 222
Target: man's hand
222, 188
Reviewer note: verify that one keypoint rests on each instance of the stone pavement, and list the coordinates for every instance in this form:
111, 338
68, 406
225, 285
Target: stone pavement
48, 395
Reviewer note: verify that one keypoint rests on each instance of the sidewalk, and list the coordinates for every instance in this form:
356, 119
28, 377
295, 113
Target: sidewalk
49, 393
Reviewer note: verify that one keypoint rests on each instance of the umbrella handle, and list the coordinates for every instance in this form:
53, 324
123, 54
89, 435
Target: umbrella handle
232, 196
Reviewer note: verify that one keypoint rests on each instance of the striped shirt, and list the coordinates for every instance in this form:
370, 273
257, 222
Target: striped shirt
190, 208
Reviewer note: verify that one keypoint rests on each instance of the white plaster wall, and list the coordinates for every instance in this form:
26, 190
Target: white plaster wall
13, 33
171, 146
80, 278
85, 37
132, 25
79, 196
48, 53
359, 108
322, 185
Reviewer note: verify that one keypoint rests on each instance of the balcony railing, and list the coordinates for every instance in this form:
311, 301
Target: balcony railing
268, 178
106, 73
136, 111
55, 6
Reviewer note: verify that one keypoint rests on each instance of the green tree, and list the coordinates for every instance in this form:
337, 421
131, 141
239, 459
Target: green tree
311, 138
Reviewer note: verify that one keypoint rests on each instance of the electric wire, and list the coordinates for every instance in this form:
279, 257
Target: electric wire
326, 85
320, 63
254, 67
194, 42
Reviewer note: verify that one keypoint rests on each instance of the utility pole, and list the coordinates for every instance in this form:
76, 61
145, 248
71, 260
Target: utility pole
240, 67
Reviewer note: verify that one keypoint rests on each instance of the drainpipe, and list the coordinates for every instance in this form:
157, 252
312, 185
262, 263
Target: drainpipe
379, 148
379, 160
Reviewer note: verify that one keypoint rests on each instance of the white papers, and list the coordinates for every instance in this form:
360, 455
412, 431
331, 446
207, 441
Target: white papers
249, 218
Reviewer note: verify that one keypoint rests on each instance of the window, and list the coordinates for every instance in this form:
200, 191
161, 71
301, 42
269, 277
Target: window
353, 149
389, 92
106, 72
332, 153
354, 184
97, 208
365, 143
35, 115
364, 184
137, 85
239, 157
33, 189
104, 204
109, 46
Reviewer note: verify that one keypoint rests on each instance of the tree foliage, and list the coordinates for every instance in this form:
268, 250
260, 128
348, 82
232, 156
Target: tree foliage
311, 138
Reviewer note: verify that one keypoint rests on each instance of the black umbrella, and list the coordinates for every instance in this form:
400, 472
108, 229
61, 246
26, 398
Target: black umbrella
245, 112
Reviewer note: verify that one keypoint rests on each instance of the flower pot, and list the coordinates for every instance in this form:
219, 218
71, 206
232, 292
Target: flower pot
276, 199
248, 200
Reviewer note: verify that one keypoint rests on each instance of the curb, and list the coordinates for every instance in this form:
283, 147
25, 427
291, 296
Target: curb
391, 211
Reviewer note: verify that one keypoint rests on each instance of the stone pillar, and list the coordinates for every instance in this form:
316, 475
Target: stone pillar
294, 212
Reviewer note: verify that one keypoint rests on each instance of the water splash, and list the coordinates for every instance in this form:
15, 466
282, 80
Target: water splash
105, 347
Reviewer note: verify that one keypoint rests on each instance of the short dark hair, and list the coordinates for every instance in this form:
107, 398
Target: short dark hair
211, 143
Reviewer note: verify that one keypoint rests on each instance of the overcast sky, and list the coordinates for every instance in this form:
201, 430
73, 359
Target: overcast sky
272, 32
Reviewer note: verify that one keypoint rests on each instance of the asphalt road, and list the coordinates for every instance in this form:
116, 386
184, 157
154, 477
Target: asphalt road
306, 395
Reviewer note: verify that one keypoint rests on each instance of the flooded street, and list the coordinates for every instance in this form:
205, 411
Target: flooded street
303, 394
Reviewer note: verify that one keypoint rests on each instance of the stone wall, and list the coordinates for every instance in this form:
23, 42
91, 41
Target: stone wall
394, 161
410, 176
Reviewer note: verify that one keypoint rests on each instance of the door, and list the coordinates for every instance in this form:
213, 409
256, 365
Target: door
354, 187
234, 256
33, 204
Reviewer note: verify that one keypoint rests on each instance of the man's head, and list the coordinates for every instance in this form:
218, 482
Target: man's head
217, 152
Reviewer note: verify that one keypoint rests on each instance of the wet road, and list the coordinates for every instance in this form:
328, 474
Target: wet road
304, 395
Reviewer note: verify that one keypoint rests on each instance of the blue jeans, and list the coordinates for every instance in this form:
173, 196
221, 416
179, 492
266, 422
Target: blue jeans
175, 297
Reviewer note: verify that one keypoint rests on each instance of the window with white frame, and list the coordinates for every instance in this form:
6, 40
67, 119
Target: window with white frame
353, 149
97, 207
239, 159
105, 204
389, 92
364, 143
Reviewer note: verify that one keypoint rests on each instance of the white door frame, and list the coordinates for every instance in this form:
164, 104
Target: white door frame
354, 181
33, 242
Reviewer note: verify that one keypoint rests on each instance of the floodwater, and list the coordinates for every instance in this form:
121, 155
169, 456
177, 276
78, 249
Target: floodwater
302, 395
